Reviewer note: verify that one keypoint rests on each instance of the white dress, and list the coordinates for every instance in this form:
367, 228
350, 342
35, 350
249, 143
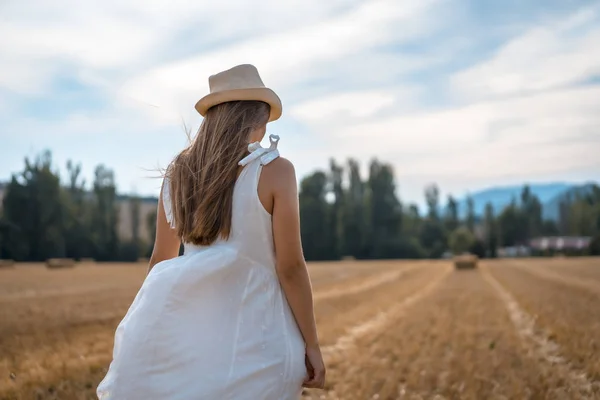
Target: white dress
213, 323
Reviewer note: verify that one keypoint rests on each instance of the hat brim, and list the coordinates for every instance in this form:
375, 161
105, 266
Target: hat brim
258, 94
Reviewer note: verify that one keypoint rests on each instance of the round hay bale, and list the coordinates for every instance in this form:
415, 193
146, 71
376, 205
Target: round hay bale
465, 261
57, 263
7, 263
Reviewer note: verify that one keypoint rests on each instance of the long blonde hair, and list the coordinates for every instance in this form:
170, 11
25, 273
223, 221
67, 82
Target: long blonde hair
202, 177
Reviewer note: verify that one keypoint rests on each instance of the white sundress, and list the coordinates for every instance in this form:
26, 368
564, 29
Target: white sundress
213, 323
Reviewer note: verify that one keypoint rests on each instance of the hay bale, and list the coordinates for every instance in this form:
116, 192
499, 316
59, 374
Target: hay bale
57, 263
465, 261
7, 263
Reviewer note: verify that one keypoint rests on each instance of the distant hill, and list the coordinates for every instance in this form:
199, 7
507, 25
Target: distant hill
552, 206
550, 194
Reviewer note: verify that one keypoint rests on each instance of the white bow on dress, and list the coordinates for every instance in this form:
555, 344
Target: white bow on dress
266, 154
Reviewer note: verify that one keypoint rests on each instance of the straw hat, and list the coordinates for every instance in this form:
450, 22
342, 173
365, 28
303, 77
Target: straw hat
241, 82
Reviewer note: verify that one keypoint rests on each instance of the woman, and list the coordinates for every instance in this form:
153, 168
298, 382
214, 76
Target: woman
233, 317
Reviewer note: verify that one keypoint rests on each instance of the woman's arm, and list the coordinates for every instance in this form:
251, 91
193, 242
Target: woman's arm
290, 263
166, 242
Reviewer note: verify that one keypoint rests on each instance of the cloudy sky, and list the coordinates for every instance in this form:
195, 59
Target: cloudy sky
465, 93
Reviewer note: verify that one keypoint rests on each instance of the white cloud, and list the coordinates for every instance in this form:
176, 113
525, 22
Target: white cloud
298, 42
559, 53
3, 106
343, 106
121, 38
84, 37
285, 59
353, 76
524, 138
525, 120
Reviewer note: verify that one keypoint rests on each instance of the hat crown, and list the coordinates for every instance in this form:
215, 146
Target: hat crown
243, 76
240, 83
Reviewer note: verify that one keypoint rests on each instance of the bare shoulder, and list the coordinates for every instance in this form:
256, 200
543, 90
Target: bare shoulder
279, 174
280, 170
277, 181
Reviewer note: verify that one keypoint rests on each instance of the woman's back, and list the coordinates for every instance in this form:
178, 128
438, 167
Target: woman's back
251, 231
220, 303
217, 322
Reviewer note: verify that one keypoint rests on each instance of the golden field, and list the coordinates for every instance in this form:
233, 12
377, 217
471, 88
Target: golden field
511, 329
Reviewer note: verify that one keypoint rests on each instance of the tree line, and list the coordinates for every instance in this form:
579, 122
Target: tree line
342, 215
44, 217
364, 218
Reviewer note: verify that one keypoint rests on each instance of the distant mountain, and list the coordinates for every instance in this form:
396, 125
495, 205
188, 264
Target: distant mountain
552, 206
550, 195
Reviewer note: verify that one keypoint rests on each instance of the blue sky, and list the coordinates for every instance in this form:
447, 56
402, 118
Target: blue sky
465, 93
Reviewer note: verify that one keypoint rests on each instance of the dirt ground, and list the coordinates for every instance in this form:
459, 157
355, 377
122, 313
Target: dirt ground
512, 329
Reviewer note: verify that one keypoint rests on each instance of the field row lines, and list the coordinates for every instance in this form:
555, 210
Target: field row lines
592, 286
365, 285
37, 294
538, 344
319, 295
382, 319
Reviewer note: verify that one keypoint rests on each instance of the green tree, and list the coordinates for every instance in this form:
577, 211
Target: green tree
3, 234
512, 226
549, 228
432, 198
594, 249
77, 227
134, 209
337, 221
583, 218
432, 238
491, 231
461, 240
314, 217
16, 221
531, 208
33, 211
478, 248
354, 214
563, 216
409, 245
384, 211
470, 214
131, 249
432, 235
412, 221
451, 219
105, 215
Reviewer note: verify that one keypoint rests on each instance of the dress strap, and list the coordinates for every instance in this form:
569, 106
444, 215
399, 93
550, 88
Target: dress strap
266, 155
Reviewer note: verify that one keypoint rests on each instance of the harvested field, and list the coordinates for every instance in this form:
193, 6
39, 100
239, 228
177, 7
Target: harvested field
566, 310
511, 329
586, 270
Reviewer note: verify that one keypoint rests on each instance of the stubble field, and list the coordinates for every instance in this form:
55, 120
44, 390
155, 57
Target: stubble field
513, 329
